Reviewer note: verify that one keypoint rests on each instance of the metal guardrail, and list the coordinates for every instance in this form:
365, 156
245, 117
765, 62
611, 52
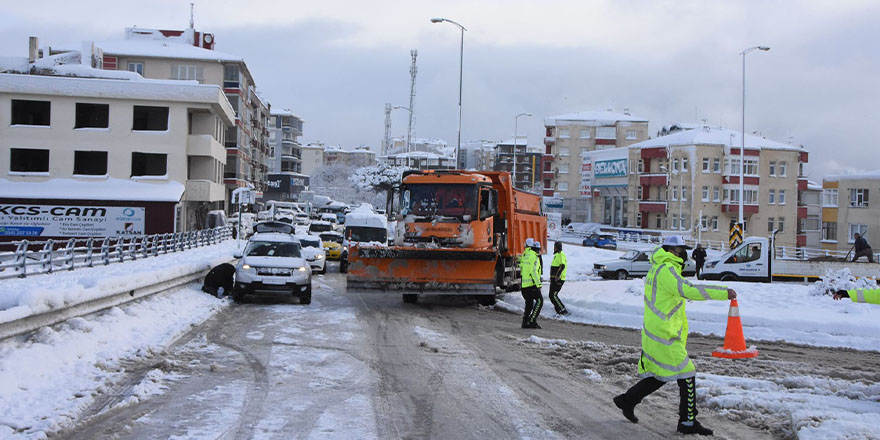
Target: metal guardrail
39, 257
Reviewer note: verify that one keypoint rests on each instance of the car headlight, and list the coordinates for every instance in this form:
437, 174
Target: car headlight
711, 264
600, 266
319, 257
246, 266
302, 268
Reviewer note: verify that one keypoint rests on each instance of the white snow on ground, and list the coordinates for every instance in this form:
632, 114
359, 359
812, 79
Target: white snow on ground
68, 364
21, 297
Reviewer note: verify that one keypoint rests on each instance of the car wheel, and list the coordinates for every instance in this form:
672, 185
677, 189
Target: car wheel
323, 269
410, 298
621, 274
728, 277
585, 243
237, 297
306, 298
343, 266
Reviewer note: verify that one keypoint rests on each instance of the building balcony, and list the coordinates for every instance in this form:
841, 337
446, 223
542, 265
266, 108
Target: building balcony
747, 180
204, 191
654, 179
652, 205
734, 208
802, 184
205, 145
802, 212
652, 153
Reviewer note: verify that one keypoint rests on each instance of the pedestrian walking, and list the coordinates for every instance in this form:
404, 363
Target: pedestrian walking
530, 272
699, 255
863, 249
664, 335
558, 270
870, 296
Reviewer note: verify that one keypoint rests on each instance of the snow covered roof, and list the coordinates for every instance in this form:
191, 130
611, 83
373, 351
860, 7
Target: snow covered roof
606, 117
366, 218
714, 136
519, 141
157, 49
419, 155
105, 189
855, 176
152, 90
813, 186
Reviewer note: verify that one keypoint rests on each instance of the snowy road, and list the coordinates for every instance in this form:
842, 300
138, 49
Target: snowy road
364, 365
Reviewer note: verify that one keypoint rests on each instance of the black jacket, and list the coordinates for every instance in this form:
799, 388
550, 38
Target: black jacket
219, 276
699, 255
862, 244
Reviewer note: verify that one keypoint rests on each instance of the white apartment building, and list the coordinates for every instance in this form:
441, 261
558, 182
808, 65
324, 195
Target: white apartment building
568, 139
147, 154
312, 158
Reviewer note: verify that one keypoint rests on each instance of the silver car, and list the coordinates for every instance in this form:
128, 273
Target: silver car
272, 264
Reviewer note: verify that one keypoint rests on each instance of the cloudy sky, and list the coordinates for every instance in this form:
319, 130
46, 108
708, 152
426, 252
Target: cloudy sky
336, 63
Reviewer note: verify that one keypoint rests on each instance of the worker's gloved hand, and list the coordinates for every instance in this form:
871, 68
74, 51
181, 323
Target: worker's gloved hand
731, 294
841, 294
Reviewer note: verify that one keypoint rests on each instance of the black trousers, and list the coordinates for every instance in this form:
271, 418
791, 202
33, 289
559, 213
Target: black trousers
534, 303
687, 407
555, 287
867, 252
699, 267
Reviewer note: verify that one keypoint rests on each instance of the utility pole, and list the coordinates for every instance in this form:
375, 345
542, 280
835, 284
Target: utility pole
412, 95
387, 139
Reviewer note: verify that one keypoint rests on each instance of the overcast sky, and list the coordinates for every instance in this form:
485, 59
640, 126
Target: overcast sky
336, 63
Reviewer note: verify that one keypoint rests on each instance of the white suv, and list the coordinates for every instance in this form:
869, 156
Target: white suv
272, 263
313, 252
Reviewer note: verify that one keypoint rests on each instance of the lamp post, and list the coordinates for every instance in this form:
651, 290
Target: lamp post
742, 148
515, 129
669, 173
409, 129
460, 67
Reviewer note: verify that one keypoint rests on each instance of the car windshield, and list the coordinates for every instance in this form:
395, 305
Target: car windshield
320, 227
629, 255
310, 242
446, 200
272, 249
366, 235
331, 237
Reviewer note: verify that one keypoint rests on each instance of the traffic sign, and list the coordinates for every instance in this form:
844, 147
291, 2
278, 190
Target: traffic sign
736, 234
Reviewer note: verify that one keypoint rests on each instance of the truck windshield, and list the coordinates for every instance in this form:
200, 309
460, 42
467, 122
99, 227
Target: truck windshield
362, 234
445, 200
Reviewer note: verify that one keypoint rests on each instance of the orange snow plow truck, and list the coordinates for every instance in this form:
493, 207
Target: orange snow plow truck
457, 233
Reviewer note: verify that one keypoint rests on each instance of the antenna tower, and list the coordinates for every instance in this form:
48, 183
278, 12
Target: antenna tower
191, 20
412, 96
386, 141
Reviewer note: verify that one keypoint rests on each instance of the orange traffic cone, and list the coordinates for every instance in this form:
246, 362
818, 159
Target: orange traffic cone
734, 341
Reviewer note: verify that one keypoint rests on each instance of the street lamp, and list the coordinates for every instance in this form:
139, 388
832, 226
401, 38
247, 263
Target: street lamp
742, 149
460, 64
409, 129
680, 189
515, 128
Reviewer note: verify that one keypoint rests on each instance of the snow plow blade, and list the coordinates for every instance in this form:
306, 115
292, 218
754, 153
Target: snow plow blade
425, 271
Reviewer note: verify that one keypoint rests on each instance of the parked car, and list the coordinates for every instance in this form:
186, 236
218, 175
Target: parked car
215, 219
604, 241
272, 263
301, 218
332, 242
634, 264
313, 252
319, 226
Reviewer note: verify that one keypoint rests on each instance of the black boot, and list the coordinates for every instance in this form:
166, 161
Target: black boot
627, 409
534, 325
696, 428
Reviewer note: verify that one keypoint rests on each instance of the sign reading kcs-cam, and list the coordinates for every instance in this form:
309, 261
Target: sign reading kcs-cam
23, 220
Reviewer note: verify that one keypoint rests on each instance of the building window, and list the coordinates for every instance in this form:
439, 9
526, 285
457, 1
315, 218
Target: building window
563, 151
606, 132
781, 196
585, 133
780, 170
92, 115
812, 223
563, 168
28, 160
829, 197
675, 222
90, 163
231, 76
770, 221
772, 169
641, 166
731, 167
148, 164
780, 224
684, 194
715, 223
659, 223
562, 186
684, 164
705, 164
715, 194
631, 135
563, 133
136, 68
705, 193
639, 219
829, 231
704, 222
187, 72
640, 192
675, 164
771, 197
716, 165
674, 193
750, 167
858, 198
750, 196
800, 169
26, 112
862, 230
147, 118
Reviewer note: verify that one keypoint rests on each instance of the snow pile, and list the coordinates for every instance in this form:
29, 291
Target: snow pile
591, 375
842, 279
377, 178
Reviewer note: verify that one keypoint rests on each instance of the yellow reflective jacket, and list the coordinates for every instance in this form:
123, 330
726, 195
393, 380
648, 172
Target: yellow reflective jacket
871, 296
530, 269
559, 259
665, 329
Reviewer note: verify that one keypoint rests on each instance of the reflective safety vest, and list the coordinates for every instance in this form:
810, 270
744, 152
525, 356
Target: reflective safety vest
871, 296
530, 269
665, 329
559, 259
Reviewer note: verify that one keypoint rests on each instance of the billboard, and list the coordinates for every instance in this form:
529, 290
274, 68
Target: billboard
286, 183
610, 168
23, 220
586, 175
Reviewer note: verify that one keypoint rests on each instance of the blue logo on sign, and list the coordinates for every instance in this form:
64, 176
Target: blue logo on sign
128, 212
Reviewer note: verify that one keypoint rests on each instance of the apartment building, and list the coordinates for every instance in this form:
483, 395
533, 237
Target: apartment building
479, 155
420, 160
359, 157
529, 162
811, 225
568, 139
285, 180
312, 158
689, 181
605, 179
846, 210
189, 55
115, 153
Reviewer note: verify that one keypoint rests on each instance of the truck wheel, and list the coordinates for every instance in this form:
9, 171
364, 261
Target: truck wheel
621, 274
410, 298
486, 300
728, 277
